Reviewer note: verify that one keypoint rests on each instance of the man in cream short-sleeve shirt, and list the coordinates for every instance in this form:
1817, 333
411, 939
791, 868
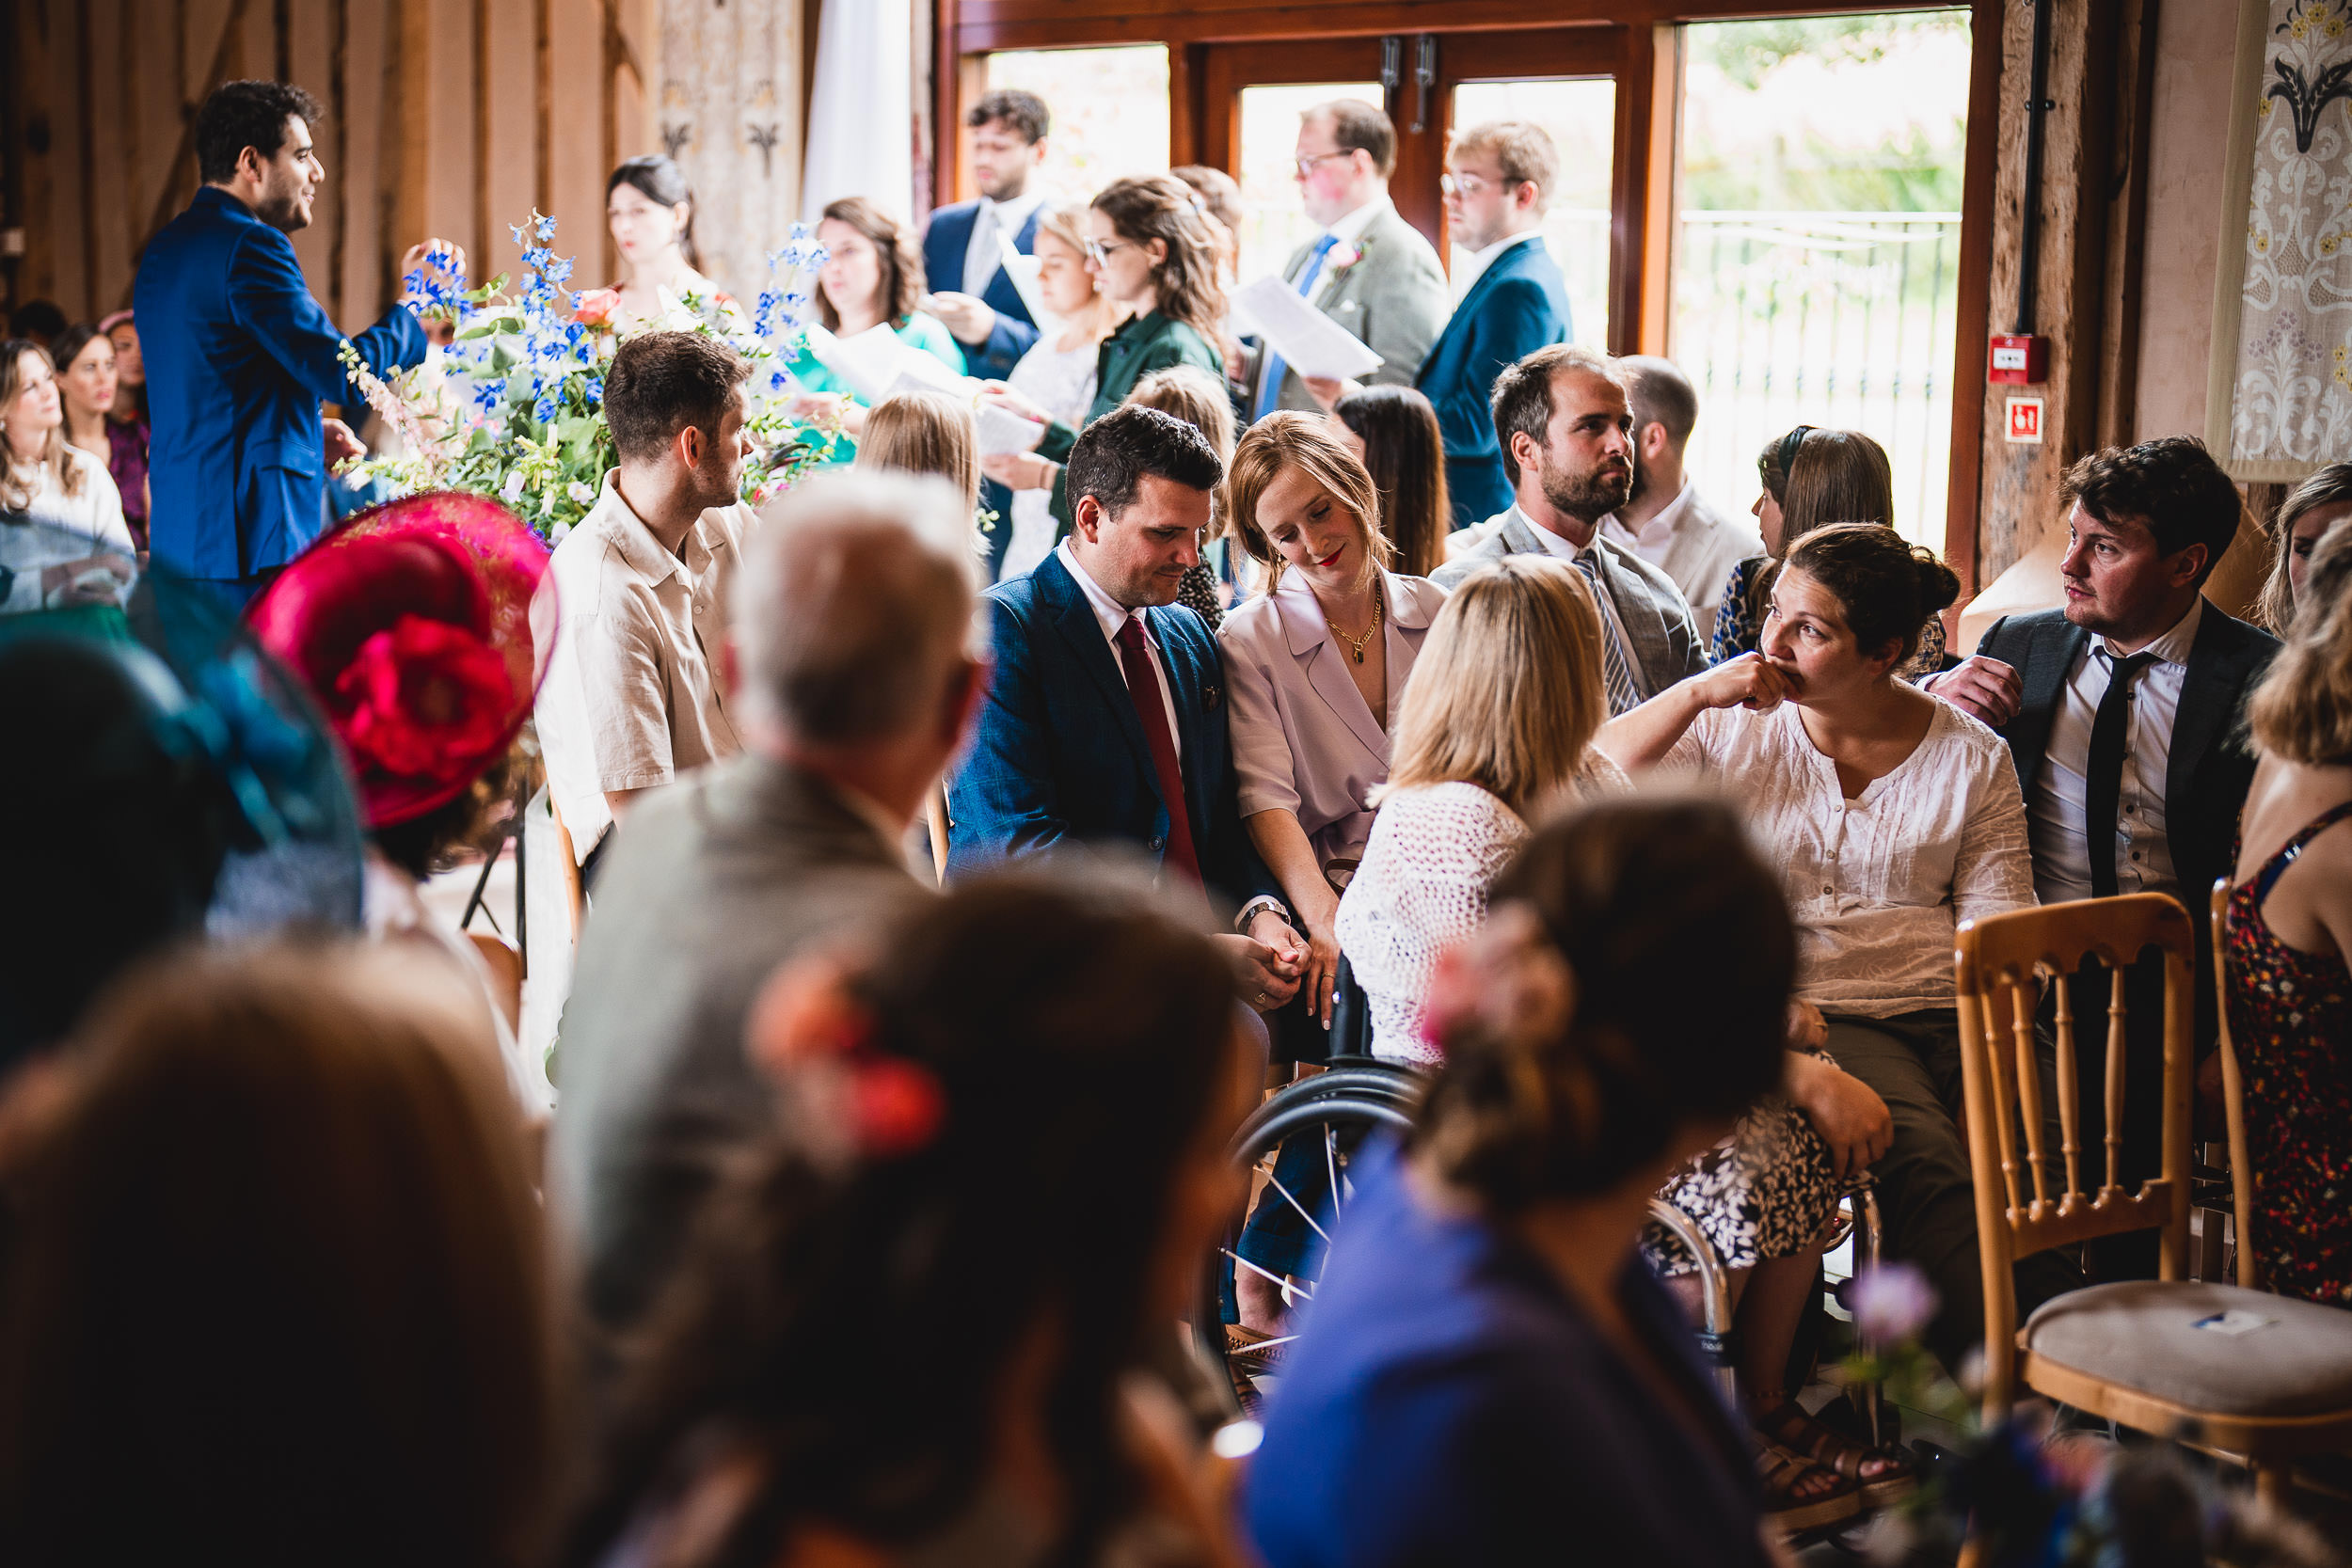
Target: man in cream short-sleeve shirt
634, 697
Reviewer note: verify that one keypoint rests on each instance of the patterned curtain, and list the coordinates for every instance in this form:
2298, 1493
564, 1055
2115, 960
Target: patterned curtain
2281, 400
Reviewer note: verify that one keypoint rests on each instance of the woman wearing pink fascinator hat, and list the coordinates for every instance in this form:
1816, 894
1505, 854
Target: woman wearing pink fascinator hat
422, 629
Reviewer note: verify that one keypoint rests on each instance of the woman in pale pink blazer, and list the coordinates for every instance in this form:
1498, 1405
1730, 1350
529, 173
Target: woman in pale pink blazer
1315, 665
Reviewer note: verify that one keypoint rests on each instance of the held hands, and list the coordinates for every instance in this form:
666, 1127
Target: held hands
967, 320
1750, 681
1268, 963
1982, 688
1019, 470
1849, 1117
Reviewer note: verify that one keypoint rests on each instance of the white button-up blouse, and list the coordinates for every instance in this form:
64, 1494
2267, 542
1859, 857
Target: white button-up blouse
1304, 742
1878, 883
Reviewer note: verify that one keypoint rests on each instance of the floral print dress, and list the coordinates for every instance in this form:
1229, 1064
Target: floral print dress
2291, 1019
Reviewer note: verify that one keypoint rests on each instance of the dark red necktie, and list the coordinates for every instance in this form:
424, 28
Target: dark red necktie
1143, 690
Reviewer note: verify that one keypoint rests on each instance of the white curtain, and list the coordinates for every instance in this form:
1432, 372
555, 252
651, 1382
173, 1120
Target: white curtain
861, 110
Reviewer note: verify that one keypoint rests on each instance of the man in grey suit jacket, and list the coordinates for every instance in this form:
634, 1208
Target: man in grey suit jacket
1568, 448
849, 662
1368, 270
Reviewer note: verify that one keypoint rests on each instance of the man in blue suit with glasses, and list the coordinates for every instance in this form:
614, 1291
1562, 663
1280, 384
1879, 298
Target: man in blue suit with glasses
239, 355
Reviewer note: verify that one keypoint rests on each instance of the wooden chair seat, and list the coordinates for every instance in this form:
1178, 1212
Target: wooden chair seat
2133, 1352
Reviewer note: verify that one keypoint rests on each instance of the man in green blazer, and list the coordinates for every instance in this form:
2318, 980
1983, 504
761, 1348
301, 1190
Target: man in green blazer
1368, 270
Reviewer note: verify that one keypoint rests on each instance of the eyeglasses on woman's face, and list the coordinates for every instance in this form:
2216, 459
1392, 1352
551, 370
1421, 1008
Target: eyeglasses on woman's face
1099, 252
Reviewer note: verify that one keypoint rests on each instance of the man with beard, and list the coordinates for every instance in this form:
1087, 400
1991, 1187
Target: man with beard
239, 355
964, 246
1568, 448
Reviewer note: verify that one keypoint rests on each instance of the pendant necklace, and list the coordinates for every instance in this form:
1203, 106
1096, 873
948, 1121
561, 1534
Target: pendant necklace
1355, 644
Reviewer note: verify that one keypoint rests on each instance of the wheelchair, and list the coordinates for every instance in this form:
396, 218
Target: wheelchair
1337, 1111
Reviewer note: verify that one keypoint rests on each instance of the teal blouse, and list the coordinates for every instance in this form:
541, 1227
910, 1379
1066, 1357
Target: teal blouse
920, 331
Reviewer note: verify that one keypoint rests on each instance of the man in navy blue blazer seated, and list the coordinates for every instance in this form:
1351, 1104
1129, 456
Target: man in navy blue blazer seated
1105, 719
963, 249
239, 355
1497, 182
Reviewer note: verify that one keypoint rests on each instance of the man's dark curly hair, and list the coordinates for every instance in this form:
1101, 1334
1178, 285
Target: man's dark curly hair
2172, 485
238, 115
1114, 453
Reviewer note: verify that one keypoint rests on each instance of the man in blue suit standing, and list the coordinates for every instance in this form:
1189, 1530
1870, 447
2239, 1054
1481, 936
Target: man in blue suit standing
963, 249
239, 355
1105, 719
1497, 182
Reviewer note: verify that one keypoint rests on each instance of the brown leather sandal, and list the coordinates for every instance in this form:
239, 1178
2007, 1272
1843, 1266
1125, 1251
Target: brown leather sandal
1880, 1476
1800, 1495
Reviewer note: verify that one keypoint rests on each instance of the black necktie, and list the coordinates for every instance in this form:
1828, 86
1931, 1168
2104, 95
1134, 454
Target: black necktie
2102, 780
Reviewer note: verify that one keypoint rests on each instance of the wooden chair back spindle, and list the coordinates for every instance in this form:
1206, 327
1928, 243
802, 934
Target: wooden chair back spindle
2002, 1088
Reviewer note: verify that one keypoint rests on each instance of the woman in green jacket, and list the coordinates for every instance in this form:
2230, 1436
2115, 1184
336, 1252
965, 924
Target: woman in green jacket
1153, 250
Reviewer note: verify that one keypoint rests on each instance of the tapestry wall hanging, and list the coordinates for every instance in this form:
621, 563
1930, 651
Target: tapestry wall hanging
2279, 400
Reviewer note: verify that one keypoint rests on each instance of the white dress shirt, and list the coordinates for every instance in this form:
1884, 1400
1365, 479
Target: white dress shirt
1879, 883
2143, 853
1569, 550
1110, 614
1346, 230
1469, 272
1691, 543
982, 255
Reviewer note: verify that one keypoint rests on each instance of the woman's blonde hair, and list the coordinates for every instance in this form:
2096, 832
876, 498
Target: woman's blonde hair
13, 496
2328, 487
1287, 439
1506, 693
1147, 207
924, 433
2302, 710
283, 1275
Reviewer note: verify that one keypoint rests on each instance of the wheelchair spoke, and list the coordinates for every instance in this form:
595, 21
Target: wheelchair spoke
1291, 1285
1276, 1183
1331, 1165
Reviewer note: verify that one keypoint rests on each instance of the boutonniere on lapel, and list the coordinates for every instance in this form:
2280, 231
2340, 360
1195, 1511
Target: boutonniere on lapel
1342, 257
1211, 695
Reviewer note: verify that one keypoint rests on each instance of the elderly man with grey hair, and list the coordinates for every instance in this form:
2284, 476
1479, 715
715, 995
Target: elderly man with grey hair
851, 662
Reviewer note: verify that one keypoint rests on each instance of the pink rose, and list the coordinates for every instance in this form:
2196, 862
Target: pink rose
594, 308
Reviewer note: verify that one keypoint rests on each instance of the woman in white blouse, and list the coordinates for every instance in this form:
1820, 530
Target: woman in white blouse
1056, 374
1892, 817
44, 476
1315, 665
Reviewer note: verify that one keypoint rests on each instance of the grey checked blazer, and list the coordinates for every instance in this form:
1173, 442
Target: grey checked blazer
1666, 646
1394, 299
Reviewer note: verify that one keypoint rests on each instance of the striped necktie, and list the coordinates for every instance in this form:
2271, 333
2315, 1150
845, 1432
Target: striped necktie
1270, 388
1618, 672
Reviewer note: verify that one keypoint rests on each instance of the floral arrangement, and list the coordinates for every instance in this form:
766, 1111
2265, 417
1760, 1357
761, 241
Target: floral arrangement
515, 408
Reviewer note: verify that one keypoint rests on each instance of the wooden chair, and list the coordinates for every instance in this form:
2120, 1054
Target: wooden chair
2260, 1377
2232, 1093
935, 814
505, 964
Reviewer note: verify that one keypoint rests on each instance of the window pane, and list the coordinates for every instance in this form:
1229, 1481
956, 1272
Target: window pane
1581, 119
1109, 109
1272, 225
1816, 272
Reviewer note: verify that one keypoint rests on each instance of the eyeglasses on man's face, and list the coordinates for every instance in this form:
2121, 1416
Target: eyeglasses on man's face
1463, 187
1307, 165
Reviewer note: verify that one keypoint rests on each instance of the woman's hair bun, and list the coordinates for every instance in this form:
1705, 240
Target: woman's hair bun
1939, 585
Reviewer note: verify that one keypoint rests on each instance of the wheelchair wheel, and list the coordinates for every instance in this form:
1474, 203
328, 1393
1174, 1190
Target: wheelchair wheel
1331, 1115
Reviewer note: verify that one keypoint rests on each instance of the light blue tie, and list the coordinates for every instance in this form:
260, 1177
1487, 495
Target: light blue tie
1616, 672
1270, 390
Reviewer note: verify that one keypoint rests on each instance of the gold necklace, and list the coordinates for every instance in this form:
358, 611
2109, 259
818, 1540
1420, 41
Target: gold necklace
1355, 644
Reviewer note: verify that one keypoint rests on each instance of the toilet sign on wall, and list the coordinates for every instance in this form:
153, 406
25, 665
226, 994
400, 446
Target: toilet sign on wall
2024, 420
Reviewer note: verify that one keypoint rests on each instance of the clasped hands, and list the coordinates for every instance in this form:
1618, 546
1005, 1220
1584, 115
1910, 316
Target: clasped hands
1268, 961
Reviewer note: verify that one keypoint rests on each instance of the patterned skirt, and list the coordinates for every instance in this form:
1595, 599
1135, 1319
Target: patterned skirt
1767, 1191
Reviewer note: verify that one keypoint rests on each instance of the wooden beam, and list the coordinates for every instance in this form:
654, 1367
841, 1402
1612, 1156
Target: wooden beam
1629, 187
1662, 182
182, 161
2127, 224
1972, 323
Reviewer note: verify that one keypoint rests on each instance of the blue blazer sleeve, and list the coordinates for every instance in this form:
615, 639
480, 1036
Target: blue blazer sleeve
1515, 318
1005, 801
268, 297
1008, 341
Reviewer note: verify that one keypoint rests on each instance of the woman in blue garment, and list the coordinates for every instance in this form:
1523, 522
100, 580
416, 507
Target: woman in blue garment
872, 276
1489, 1374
